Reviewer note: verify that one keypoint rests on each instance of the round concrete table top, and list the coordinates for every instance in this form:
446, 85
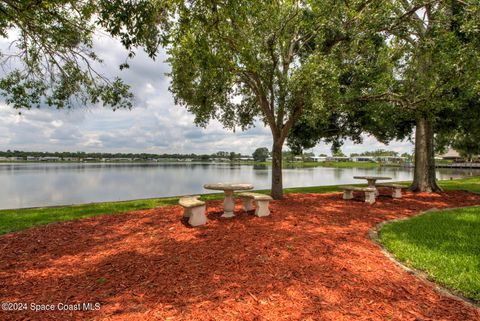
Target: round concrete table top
371, 177
228, 186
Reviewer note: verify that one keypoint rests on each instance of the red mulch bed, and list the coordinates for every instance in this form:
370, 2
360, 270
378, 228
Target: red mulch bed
311, 259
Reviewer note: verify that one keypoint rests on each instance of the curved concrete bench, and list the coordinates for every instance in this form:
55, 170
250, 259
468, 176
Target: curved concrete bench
396, 189
261, 201
369, 193
194, 209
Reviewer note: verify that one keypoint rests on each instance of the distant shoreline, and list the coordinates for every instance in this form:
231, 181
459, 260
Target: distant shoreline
285, 163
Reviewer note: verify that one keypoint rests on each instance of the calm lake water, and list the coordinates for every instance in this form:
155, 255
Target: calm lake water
46, 184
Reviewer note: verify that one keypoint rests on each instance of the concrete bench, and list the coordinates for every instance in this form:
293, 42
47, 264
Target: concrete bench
261, 201
194, 209
369, 193
396, 189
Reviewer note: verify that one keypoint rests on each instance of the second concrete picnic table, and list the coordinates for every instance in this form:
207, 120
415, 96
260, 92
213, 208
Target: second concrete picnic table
228, 188
371, 181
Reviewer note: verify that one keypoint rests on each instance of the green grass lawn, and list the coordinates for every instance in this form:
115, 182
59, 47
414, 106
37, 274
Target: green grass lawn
471, 184
445, 244
19, 219
15, 220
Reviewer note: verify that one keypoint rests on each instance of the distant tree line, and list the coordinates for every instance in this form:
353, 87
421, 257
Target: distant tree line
378, 152
137, 156
262, 154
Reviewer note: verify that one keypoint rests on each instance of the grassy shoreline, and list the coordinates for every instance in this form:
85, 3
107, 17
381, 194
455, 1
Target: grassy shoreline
285, 164
12, 220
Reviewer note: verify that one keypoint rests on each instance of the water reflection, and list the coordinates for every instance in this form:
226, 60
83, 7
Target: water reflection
43, 184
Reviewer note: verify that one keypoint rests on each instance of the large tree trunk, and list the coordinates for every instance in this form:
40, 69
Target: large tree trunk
424, 178
277, 184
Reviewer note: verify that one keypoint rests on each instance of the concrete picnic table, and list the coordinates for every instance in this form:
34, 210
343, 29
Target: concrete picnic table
228, 188
371, 181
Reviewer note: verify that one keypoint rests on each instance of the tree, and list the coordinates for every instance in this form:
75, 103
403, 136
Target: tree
288, 156
51, 60
233, 156
261, 154
338, 153
240, 60
467, 145
408, 157
378, 152
465, 137
307, 156
428, 57
360, 66
222, 154
436, 57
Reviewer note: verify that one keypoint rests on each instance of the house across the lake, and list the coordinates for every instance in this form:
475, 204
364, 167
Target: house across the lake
50, 159
451, 154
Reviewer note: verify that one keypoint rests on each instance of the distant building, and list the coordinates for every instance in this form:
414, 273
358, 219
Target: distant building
382, 159
339, 159
221, 159
32, 158
319, 159
363, 159
451, 154
50, 159
390, 159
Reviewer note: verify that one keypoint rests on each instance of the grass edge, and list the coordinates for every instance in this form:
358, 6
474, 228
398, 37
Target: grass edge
457, 294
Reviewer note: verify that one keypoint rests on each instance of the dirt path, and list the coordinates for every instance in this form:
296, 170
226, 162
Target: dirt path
310, 260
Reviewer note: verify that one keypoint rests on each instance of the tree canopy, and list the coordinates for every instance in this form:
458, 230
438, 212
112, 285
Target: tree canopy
418, 79
378, 152
261, 154
238, 61
51, 60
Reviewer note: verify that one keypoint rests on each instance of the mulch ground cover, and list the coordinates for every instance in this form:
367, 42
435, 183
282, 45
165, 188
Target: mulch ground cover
311, 259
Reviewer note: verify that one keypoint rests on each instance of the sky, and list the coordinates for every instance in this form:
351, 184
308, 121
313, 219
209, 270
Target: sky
154, 125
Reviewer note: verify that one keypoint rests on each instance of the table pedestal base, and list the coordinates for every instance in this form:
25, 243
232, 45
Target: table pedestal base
228, 215
228, 205
371, 184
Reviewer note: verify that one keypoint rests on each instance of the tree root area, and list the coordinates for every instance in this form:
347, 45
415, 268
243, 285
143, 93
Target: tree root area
311, 259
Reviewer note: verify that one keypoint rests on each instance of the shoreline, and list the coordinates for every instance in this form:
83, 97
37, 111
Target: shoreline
285, 163
12, 220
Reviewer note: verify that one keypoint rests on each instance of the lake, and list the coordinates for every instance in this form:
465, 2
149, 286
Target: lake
47, 184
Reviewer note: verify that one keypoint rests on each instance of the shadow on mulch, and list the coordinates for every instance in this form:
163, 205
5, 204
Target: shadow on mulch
311, 259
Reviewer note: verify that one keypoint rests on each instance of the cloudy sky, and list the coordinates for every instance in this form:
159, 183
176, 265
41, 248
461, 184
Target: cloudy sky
155, 125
